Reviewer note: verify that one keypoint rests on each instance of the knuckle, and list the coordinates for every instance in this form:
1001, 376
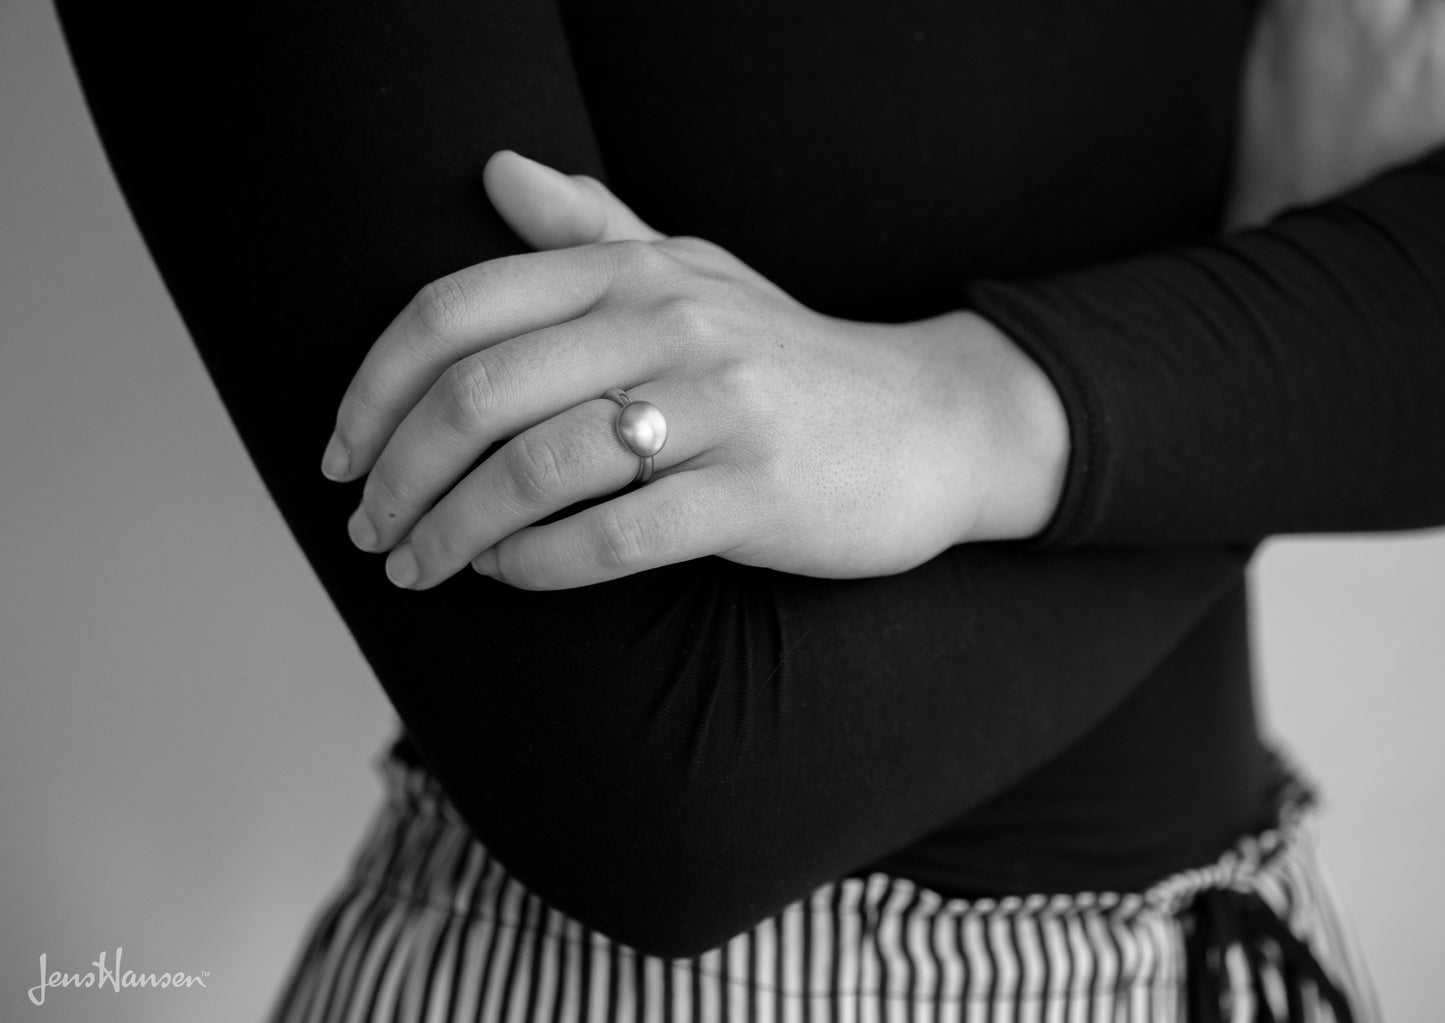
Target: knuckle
736, 384
698, 246
688, 319
439, 308
639, 259
467, 392
618, 541
593, 185
364, 396
514, 569
743, 396
434, 546
536, 468
386, 491
362, 403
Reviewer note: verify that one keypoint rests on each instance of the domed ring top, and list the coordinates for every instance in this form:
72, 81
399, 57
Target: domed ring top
641, 427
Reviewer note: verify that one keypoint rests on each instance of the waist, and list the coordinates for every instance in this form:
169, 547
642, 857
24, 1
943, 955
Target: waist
463, 929
1173, 777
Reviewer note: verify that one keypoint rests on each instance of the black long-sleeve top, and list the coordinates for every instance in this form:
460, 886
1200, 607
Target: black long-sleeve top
675, 755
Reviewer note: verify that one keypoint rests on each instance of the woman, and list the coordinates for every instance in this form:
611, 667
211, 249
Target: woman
821, 772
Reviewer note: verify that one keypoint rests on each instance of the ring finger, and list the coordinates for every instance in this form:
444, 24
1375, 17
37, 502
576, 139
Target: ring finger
573, 456
492, 394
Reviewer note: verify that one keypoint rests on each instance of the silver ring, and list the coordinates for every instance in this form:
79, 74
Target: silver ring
642, 429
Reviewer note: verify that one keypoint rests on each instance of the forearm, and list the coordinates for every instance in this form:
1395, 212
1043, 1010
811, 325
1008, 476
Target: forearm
700, 745
1280, 380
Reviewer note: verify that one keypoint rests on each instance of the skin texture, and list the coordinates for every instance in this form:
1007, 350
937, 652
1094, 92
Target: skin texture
785, 427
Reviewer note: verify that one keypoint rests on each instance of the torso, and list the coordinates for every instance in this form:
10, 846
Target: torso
871, 158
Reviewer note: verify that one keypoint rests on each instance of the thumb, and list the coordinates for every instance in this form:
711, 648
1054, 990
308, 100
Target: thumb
552, 210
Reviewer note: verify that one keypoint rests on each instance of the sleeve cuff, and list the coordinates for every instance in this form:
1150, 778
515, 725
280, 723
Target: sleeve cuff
1030, 328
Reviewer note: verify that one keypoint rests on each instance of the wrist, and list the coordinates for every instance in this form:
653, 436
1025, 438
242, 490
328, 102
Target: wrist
1023, 445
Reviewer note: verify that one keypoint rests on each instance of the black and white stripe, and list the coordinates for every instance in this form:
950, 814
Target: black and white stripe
429, 928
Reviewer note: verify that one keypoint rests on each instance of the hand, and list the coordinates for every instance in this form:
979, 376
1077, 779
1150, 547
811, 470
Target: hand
796, 441
1334, 92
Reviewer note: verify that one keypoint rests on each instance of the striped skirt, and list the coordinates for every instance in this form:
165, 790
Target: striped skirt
429, 928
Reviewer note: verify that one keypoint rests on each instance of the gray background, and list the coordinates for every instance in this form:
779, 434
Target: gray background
186, 728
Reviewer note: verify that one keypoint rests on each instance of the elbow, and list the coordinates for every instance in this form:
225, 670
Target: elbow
617, 789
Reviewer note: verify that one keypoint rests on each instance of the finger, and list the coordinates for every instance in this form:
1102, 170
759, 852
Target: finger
689, 514
462, 313
491, 395
572, 457
550, 210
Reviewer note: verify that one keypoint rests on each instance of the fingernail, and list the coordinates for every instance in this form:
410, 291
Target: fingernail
362, 532
401, 567
337, 460
486, 562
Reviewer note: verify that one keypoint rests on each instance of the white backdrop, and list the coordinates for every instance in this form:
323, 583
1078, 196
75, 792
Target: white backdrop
186, 727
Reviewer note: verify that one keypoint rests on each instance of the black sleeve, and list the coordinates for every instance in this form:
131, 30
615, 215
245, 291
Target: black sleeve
1287, 379
669, 757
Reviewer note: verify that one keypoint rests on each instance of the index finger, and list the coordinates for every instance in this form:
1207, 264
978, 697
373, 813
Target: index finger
455, 316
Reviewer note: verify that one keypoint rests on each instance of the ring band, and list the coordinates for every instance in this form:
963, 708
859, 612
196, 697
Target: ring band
642, 429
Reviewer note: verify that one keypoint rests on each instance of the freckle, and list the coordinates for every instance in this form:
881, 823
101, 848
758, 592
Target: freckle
391, 515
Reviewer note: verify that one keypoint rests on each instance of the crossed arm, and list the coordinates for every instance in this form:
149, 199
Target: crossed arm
675, 754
